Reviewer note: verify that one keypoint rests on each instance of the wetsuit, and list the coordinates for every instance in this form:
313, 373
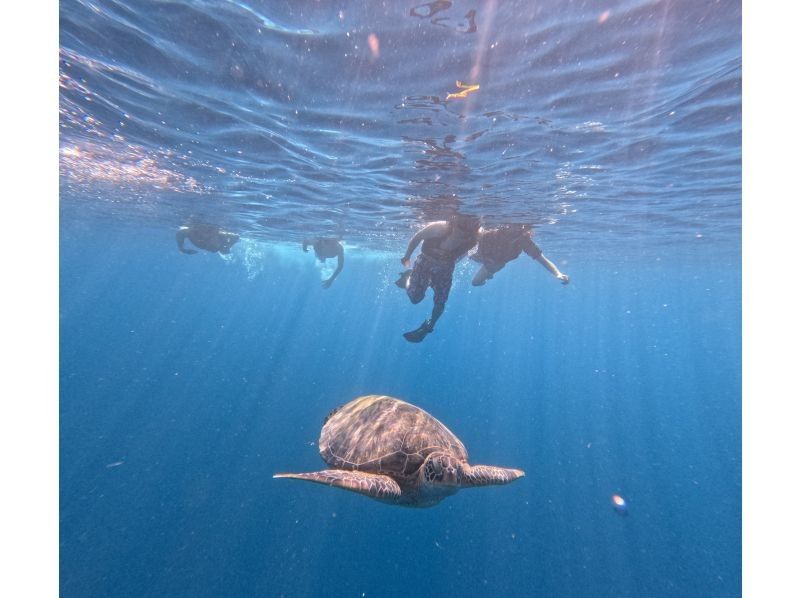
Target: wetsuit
434, 268
205, 236
499, 246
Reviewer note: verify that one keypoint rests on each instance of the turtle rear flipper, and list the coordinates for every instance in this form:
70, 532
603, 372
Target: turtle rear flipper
488, 475
374, 485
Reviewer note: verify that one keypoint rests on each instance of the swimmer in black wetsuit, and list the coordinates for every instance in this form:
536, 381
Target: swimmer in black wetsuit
498, 246
443, 244
323, 249
205, 236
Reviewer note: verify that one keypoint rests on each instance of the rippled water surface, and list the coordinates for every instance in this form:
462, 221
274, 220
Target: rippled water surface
276, 118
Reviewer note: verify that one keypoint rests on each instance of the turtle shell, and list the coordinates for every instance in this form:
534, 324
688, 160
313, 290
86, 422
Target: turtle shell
380, 434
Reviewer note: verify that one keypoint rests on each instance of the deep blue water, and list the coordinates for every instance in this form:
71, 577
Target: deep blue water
187, 381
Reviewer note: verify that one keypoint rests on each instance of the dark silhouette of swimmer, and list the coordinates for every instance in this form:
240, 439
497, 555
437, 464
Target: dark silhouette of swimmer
205, 236
498, 246
443, 244
323, 249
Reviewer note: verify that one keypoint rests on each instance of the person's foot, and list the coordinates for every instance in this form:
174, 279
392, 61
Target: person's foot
402, 282
418, 335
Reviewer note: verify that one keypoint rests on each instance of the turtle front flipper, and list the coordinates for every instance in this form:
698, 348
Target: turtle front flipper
376, 486
488, 475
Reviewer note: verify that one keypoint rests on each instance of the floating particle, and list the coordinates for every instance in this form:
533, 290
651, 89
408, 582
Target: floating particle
620, 504
374, 45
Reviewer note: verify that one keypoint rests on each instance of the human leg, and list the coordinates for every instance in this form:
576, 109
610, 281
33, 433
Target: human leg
441, 280
418, 280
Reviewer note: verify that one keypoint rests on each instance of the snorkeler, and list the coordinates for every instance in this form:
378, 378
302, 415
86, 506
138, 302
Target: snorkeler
323, 249
205, 236
443, 244
498, 246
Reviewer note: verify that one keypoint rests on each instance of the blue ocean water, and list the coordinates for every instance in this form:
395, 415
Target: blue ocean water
187, 381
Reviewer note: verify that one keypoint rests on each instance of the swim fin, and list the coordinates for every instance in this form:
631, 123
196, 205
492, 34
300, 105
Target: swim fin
402, 282
418, 335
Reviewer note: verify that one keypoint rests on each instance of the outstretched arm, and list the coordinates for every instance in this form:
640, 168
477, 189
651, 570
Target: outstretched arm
432, 231
180, 236
535, 253
339, 266
552, 268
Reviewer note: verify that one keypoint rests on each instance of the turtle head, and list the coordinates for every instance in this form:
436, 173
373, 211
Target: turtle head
441, 470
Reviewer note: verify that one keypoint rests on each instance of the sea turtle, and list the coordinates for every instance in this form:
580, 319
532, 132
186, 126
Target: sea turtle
396, 453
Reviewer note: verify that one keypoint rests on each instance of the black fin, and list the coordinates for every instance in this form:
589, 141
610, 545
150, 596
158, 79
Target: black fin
403, 280
418, 335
